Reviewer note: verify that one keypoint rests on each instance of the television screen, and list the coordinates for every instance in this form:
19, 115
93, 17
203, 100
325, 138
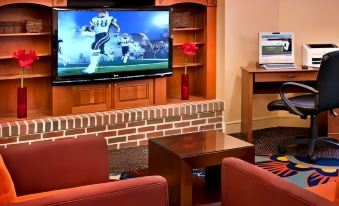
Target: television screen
110, 44
276, 47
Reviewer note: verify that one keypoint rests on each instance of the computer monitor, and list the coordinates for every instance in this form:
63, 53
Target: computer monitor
276, 47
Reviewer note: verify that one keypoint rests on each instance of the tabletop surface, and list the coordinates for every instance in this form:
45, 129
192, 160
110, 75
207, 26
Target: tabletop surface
262, 70
200, 143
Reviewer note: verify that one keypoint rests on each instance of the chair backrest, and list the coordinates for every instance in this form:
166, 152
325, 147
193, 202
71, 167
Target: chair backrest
328, 82
59, 164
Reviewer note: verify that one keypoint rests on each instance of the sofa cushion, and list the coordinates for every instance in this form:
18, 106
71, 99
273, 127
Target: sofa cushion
7, 190
59, 164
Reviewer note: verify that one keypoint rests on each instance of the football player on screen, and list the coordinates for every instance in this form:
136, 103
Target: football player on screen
100, 25
125, 42
61, 58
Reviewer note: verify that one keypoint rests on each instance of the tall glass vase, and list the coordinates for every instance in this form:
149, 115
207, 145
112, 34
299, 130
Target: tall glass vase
185, 90
22, 102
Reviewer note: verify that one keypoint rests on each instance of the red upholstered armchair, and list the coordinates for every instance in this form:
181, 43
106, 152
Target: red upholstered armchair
71, 172
244, 184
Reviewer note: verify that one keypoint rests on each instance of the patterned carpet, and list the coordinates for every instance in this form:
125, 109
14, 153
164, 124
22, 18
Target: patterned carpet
293, 167
298, 171
128, 159
266, 142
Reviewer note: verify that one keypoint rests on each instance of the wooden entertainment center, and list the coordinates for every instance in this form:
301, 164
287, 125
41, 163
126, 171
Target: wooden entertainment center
46, 100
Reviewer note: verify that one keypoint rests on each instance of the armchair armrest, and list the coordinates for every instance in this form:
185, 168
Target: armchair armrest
289, 104
143, 191
246, 184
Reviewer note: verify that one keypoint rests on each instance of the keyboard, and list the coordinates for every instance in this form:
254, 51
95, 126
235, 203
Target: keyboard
279, 66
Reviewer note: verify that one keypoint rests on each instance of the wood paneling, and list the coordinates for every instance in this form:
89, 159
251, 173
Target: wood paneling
333, 125
133, 93
211, 54
160, 91
82, 98
38, 96
61, 100
86, 95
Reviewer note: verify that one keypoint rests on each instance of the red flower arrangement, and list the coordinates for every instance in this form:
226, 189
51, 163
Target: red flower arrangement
25, 60
188, 49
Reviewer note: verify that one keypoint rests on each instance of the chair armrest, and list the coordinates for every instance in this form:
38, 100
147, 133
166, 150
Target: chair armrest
289, 104
243, 183
143, 191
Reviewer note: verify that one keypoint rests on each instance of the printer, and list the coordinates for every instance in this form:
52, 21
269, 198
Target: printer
313, 53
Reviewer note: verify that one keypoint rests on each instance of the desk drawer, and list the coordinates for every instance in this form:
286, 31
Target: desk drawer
285, 76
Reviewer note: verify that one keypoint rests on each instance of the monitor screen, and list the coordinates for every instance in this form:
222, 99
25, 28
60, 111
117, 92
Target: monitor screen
103, 44
276, 47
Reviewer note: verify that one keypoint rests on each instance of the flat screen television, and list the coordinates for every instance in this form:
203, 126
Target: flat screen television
276, 47
107, 44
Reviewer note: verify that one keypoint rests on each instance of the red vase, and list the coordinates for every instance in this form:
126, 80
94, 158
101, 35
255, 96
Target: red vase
185, 90
22, 102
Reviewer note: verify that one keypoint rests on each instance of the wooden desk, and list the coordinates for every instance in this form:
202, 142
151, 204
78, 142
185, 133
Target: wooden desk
262, 81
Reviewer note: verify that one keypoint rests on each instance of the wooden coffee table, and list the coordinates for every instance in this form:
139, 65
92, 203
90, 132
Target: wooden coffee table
174, 157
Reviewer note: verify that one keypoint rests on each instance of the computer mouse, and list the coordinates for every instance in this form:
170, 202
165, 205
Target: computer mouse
304, 66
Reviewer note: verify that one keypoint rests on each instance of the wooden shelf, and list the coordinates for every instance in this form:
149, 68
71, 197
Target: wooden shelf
188, 65
31, 115
11, 57
199, 30
25, 34
26, 76
196, 43
188, 29
192, 98
37, 80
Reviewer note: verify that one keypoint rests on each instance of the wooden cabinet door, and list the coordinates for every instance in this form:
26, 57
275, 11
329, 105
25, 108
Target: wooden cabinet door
89, 98
81, 99
133, 93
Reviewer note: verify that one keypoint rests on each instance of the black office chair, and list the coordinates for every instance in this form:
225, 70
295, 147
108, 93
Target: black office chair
324, 97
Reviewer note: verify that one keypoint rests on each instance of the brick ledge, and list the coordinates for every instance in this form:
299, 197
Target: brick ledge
119, 126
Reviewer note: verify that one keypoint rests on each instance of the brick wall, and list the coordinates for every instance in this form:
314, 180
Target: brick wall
121, 128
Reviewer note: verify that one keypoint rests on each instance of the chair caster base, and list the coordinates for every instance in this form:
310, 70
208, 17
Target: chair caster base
311, 158
282, 150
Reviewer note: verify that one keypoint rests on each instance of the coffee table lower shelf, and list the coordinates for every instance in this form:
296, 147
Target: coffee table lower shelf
174, 157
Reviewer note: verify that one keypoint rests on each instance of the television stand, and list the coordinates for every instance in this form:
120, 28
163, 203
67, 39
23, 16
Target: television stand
107, 96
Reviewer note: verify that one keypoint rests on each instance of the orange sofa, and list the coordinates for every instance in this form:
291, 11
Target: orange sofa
244, 184
71, 172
